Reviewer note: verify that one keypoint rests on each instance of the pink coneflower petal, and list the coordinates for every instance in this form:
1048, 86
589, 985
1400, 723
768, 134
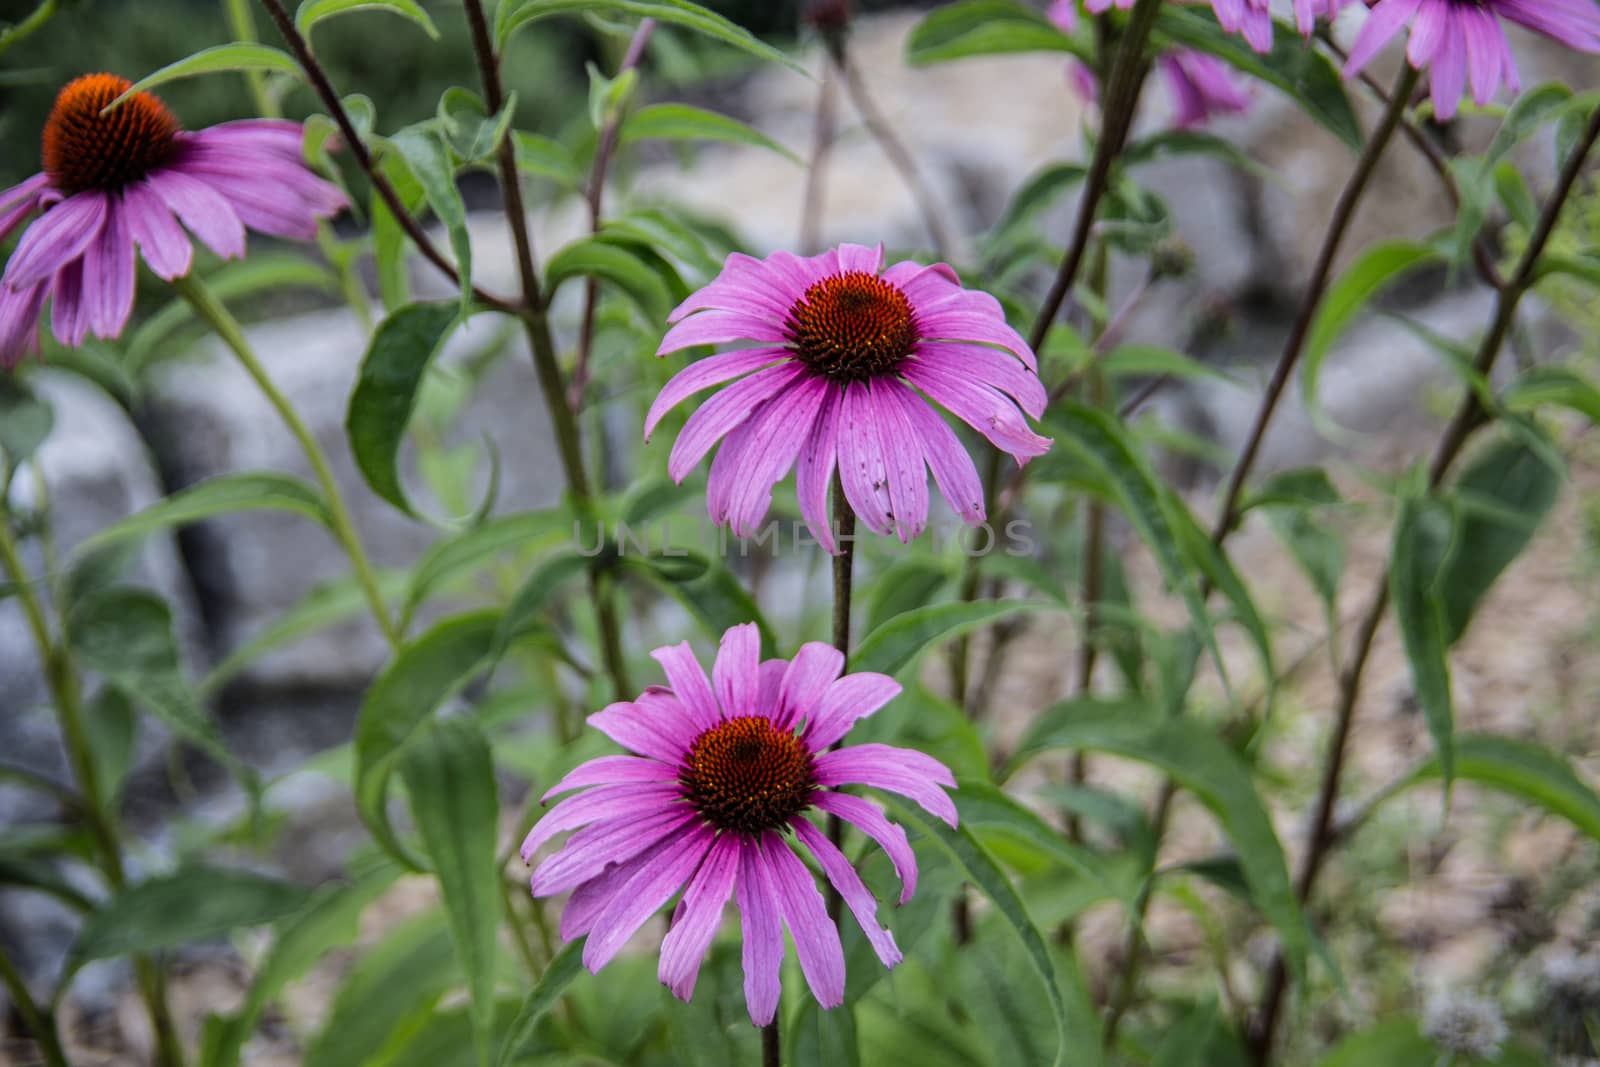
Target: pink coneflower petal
64, 233
109, 271
165, 246
953, 470
707, 813
699, 914
980, 407
69, 311
806, 681
857, 897
845, 333
19, 316
761, 924
643, 896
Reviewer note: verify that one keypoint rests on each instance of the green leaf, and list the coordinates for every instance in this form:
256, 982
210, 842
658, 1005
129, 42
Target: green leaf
566, 966
389, 240
609, 261
1423, 537
986, 874
389, 987
126, 636
193, 904
449, 776
985, 28
986, 807
681, 122
1538, 387
898, 643
325, 605
546, 158
402, 700
1393, 1041
460, 554
717, 599
1306, 75
818, 1038
1507, 491
1172, 143
1036, 195
223, 58
425, 153
1374, 269
329, 920
386, 392
907, 584
1203, 1038
113, 728
471, 131
514, 14
314, 11
25, 421
1523, 770
530, 602
1197, 760
223, 495
1150, 360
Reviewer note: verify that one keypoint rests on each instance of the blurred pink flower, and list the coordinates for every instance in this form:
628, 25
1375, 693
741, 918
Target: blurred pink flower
1252, 18
125, 179
1460, 39
726, 768
841, 343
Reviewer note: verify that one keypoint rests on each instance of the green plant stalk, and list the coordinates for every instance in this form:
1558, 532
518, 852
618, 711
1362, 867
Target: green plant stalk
40, 1022
1469, 417
536, 320
1338, 226
216, 315
29, 26
243, 28
62, 682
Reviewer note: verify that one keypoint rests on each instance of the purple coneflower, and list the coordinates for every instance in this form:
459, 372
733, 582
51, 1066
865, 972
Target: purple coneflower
125, 179
1251, 18
841, 343
726, 768
1458, 40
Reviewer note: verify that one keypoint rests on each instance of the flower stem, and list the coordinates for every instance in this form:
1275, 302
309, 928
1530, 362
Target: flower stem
536, 320
822, 134
40, 1022
771, 1043
596, 199
844, 532
216, 315
62, 681
363, 157
27, 27
1343, 212
1469, 416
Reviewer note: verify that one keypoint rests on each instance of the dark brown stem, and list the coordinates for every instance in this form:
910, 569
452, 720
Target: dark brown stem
596, 198
771, 1045
536, 321
844, 532
816, 167
1343, 212
39, 1021
1469, 416
363, 157
898, 154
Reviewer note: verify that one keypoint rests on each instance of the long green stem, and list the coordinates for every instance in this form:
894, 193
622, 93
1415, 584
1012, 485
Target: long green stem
536, 319
62, 681
40, 1022
216, 315
27, 27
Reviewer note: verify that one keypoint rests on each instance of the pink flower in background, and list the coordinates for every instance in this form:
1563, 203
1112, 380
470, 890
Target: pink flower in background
1252, 18
125, 180
1458, 40
847, 357
727, 768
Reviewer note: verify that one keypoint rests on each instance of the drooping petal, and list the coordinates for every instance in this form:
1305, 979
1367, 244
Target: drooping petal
904, 466
899, 770
816, 938
761, 925
69, 311
19, 322
857, 897
606, 802
587, 853
686, 944
60, 236
866, 817
109, 273
643, 896
165, 246
592, 897
994, 416
1383, 22
776, 435
814, 471
952, 466
862, 470
723, 412
844, 703
202, 209
703, 374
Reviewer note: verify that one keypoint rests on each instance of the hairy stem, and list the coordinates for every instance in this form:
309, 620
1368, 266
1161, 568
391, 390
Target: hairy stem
596, 196
216, 315
1469, 416
536, 320
1343, 212
363, 157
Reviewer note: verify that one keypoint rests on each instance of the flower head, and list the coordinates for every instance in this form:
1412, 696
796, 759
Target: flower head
841, 342
727, 769
1458, 40
1465, 1024
120, 181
